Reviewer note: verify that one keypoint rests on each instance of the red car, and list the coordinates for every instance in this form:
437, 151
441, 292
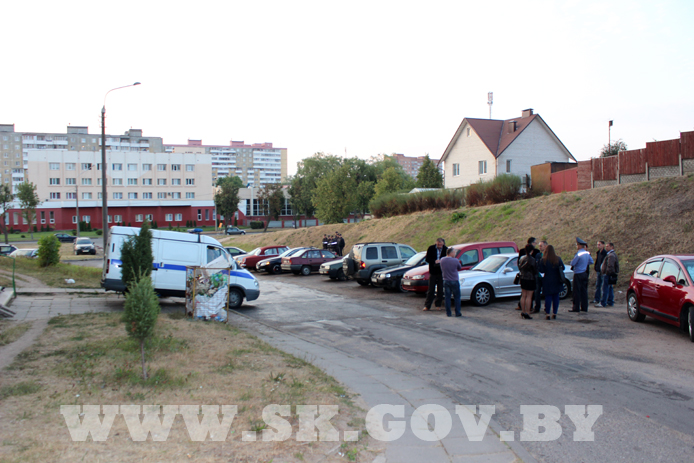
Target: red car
469, 254
663, 288
249, 260
306, 262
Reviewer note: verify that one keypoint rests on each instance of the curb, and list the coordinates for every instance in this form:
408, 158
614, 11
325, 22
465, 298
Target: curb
6, 297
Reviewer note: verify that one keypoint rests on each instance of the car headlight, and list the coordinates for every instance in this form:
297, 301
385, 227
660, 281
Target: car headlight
417, 277
387, 275
255, 282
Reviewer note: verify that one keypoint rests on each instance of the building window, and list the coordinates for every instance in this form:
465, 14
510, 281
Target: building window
161, 181
146, 195
132, 195
207, 214
51, 216
54, 166
71, 195
161, 167
43, 216
86, 166
468, 131
168, 217
508, 165
146, 181
54, 181
86, 196
86, 218
117, 181
70, 181
287, 208
190, 167
99, 181
98, 166
86, 181
176, 195
146, 166
132, 181
116, 166
70, 166
161, 195
190, 195
149, 217
483, 167
175, 181
54, 196
118, 218
132, 167
74, 219
117, 195
190, 181
199, 215
175, 167
456, 170
138, 218
179, 217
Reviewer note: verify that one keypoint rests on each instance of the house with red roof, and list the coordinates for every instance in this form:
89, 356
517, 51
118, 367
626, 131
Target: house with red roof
481, 149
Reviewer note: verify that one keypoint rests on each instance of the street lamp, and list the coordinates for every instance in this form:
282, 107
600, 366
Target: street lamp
104, 201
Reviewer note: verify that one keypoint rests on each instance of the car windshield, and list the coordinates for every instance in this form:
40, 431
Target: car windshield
414, 260
490, 264
254, 252
290, 252
84, 241
689, 265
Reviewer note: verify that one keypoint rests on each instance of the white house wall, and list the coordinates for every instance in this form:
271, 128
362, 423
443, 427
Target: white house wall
468, 151
535, 145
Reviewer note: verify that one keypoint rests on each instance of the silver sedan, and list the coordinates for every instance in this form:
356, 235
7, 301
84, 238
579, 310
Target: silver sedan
493, 277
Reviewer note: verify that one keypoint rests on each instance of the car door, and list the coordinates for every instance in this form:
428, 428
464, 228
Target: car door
389, 256
405, 253
648, 284
507, 274
325, 257
671, 296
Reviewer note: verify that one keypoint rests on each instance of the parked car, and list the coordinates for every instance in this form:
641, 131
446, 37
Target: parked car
234, 251
31, 253
273, 265
366, 258
249, 261
235, 231
493, 278
306, 262
391, 277
7, 249
333, 268
469, 254
662, 287
195, 230
84, 246
64, 237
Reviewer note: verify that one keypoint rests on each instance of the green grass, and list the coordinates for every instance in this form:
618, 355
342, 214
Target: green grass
11, 331
55, 275
23, 388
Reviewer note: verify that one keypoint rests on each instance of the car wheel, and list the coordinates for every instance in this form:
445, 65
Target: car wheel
401, 288
305, 270
235, 298
295, 272
363, 282
565, 289
243, 232
482, 295
275, 269
690, 323
633, 308
93, 252
341, 275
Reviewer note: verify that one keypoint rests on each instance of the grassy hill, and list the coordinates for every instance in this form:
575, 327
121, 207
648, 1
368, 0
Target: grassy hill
641, 219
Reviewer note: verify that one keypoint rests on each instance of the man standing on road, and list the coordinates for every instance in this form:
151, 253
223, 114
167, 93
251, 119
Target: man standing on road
609, 270
538, 278
580, 263
325, 241
450, 266
340, 244
599, 257
433, 258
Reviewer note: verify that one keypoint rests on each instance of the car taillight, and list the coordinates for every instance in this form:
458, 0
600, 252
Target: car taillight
363, 265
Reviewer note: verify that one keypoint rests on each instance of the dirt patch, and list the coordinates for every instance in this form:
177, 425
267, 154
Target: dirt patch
88, 359
28, 273
10, 331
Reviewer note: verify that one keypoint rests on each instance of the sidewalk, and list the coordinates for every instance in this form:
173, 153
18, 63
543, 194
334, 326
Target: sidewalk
381, 385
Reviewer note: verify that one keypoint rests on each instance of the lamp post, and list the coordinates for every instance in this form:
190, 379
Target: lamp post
104, 200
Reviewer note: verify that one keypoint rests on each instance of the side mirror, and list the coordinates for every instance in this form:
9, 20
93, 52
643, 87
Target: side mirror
670, 279
508, 270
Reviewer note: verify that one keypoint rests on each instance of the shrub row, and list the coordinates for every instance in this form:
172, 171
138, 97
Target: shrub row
401, 203
502, 189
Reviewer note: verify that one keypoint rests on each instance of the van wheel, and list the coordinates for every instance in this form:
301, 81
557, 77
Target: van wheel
235, 298
275, 269
305, 270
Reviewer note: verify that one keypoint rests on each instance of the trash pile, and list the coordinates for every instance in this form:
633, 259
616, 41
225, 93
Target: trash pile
207, 291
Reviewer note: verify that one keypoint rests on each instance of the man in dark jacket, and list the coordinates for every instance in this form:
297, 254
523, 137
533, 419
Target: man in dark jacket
599, 257
609, 269
325, 241
434, 255
340, 243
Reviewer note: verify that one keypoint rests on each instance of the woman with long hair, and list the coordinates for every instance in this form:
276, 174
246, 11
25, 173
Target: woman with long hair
528, 268
553, 282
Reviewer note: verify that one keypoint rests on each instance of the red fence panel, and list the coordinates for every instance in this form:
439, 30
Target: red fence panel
584, 168
632, 162
663, 153
605, 168
687, 145
565, 180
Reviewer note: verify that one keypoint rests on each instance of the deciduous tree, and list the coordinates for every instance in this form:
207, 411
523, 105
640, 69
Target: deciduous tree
28, 202
271, 196
613, 148
226, 198
335, 196
6, 198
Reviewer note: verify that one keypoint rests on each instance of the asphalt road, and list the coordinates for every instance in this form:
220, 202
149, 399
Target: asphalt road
641, 373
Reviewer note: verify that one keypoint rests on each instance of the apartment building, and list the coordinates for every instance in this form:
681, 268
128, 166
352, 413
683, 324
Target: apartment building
411, 164
256, 164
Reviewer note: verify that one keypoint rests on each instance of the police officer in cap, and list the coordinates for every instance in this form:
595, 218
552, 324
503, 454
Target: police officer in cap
580, 265
340, 243
325, 241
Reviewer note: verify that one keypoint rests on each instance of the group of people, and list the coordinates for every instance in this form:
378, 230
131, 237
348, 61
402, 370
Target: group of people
541, 273
334, 243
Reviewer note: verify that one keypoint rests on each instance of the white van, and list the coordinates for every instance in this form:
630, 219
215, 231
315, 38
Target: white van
173, 252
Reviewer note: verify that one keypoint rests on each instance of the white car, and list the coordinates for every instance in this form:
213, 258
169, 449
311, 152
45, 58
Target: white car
493, 277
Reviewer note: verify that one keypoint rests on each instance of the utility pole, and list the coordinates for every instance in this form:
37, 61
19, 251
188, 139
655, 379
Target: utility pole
609, 136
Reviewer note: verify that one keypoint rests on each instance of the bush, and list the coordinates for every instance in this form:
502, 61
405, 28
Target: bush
23, 236
504, 188
35, 229
99, 232
256, 224
401, 203
74, 232
49, 251
136, 256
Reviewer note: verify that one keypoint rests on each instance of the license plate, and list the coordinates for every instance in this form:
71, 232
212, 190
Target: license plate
322, 271
374, 279
408, 282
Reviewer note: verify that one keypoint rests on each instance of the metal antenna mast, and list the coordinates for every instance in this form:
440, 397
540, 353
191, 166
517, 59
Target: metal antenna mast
490, 102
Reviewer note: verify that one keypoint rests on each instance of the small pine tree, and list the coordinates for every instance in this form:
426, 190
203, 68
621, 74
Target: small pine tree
136, 255
49, 251
140, 312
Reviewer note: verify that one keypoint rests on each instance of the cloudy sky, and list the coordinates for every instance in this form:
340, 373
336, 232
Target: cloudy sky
358, 77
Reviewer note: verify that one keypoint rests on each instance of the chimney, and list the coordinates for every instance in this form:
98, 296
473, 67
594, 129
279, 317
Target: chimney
511, 126
527, 112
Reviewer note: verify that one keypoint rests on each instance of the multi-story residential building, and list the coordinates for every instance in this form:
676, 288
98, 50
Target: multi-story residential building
255, 164
409, 163
16, 145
